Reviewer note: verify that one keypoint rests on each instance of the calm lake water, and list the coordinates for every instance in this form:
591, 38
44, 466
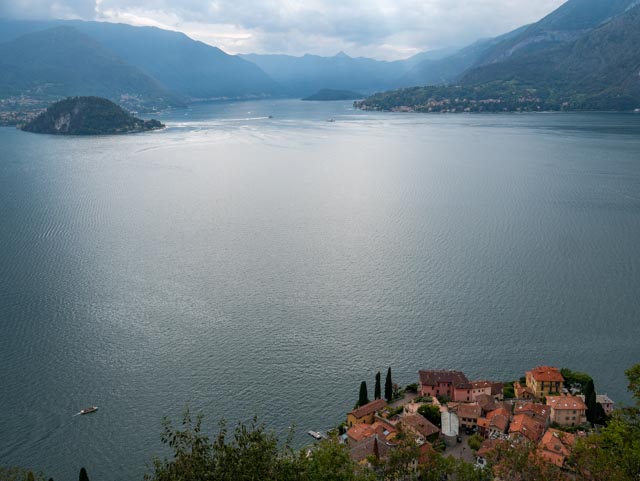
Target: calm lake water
243, 265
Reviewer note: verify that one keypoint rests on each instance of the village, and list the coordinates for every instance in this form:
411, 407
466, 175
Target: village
445, 412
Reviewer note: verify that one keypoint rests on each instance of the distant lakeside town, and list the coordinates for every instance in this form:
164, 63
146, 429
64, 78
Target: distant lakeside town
445, 412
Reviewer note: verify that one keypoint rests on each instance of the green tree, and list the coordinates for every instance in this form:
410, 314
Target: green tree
520, 462
388, 387
613, 454
633, 375
595, 411
331, 461
475, 442
19, 474
248, 453
590, 400
432, 413
363, 398
402, 461
437, 467
377, 392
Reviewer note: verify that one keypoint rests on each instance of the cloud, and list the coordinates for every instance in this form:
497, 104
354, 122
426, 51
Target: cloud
376, 28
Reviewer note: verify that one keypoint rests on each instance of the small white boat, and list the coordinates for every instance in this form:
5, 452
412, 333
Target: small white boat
92, 409
315, 435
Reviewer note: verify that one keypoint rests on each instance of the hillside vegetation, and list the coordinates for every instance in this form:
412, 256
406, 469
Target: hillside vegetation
88, 116
597, 70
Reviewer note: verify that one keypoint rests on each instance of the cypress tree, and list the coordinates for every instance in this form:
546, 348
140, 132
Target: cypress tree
377, 394
590, 401
388, 387
364, 397
83, 475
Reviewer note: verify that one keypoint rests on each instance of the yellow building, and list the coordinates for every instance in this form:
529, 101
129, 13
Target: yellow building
544, 380
365, 414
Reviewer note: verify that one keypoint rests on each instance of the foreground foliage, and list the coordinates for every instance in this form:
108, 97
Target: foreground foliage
251, 453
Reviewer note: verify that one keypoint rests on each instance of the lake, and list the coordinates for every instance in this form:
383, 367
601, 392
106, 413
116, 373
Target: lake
244, 265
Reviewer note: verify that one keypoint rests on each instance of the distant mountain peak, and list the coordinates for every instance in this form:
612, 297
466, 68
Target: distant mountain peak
341, 54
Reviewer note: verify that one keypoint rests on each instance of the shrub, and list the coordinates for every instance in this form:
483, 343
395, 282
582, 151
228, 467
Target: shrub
475, 442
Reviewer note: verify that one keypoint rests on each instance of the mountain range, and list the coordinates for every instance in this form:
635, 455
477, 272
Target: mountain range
584, 53
583, 56
136, 66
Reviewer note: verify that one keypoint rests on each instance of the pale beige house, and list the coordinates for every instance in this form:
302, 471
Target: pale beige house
567, 410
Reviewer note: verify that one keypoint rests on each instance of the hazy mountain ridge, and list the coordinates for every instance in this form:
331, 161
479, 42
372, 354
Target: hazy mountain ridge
583, 49
447, 69
602, 67
174, 67
303, 76
61, 61
597, 68
568, 22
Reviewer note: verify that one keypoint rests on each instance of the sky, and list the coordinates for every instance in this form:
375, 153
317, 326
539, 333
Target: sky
382, 29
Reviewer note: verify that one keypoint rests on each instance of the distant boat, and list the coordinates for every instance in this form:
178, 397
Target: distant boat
270, 116
315, 435
331, 120
92, 409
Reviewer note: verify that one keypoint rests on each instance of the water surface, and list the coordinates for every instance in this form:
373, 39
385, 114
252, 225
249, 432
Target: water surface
245, 265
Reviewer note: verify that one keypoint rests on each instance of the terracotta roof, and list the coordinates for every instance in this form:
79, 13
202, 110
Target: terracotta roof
499, 419
496, 387
469, 411
420, 424
532, 409
370, 408
433, 378
360, 431
486, 402
487, 446
556, 446
371, 446
504, 405
530, 428
566, 403
384, 430
522, 391
546, 374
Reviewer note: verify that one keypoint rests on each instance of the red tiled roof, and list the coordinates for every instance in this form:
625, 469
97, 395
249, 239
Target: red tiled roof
556, 446
522, 391
486, 402
533, 409
381, 427
527, 426
480, 384
371, 446
370, 408
360, 431
420, 424
499, 419
487, 446
433, 378
469, 411
546, 374
565, 403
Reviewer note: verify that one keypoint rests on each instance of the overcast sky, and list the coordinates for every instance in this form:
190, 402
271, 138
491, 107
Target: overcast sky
384, 29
